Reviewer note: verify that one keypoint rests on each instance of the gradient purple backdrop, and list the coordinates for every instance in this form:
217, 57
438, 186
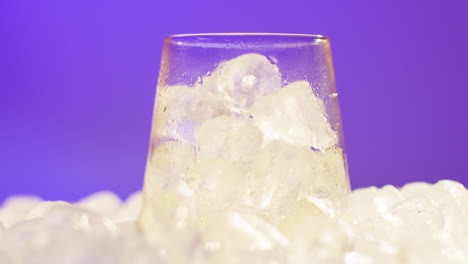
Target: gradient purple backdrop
78, 80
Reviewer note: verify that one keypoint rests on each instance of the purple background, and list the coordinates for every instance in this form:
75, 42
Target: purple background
78, 79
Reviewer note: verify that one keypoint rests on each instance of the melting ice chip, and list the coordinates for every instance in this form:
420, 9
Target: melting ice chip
296, 115
244, 79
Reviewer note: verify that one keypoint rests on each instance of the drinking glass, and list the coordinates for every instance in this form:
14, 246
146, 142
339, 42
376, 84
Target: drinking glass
246, 125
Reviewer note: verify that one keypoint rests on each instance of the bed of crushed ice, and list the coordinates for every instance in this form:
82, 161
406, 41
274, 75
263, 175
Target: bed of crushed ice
419, 223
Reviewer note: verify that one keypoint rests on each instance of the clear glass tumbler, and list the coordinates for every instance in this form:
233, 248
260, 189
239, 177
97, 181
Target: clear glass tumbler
246, 125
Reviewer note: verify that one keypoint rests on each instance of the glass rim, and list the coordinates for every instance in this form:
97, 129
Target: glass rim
245, 40
248, 34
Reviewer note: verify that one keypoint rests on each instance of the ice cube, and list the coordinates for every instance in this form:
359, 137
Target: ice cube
229, 138
294, 114
244, 79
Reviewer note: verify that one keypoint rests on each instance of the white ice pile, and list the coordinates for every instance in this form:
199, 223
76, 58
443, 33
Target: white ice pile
420, 223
